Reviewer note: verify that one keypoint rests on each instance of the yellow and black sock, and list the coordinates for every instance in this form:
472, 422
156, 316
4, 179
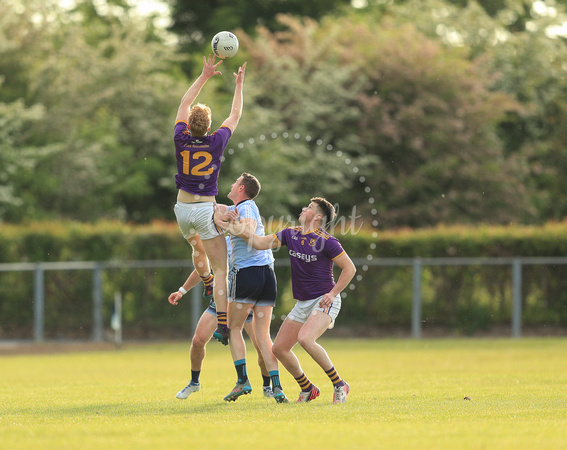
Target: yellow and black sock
208, 280
334, 376
304, 383
221, 318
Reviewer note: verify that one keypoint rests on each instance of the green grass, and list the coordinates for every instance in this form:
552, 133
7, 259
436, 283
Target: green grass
405, 394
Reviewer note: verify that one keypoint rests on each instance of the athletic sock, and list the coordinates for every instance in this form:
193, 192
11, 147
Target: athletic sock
334, 377
266, 380
221, 318
208, 280
195, 374
304, 383
240, 366
275, 377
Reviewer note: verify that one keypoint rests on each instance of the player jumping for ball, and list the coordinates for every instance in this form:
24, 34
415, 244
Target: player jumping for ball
199, 158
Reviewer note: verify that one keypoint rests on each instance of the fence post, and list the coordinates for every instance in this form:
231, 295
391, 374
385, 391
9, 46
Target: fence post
98, 325
416, 300
517, 298
38, 303
196, 309
116, 320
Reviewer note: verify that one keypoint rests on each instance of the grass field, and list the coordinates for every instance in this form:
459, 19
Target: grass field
404, 394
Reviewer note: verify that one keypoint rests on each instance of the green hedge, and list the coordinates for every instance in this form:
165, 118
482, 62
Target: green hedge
459, 299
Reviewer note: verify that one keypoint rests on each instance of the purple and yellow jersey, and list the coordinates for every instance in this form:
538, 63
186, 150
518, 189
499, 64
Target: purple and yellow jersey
199, 159
311, 257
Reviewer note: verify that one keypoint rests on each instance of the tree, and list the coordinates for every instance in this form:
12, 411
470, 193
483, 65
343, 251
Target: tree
195, 23
415, 117
109, 89
417, 112
20, 162
527, 62
298, 130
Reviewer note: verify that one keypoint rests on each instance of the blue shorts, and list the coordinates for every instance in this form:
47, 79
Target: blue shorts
255, 285
212, 309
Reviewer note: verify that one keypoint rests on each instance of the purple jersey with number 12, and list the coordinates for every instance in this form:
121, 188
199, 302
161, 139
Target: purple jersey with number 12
311, 256
199, 159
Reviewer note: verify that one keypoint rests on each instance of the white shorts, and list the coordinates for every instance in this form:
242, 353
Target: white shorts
196, 218
303, 309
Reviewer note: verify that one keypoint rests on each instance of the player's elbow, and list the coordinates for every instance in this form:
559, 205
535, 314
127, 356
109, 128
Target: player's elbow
350, 269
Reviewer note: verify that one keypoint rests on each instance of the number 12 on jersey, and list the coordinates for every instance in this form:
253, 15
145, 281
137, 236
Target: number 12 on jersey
200, 161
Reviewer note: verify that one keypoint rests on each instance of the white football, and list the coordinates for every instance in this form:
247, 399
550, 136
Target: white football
224, 44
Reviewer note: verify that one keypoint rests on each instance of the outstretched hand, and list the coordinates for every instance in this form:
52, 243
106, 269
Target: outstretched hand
230, 223
232, 216
209, 66
240, 75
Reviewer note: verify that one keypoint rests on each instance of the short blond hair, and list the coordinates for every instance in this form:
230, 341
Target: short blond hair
199, 121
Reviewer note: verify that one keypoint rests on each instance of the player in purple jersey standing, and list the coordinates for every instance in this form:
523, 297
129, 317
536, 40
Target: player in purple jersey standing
199, 158
312, 253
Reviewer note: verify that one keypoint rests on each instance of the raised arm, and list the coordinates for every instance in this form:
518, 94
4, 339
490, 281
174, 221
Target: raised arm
237, 102
209, 70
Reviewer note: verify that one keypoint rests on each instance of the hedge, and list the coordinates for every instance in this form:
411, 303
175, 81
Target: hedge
459, 299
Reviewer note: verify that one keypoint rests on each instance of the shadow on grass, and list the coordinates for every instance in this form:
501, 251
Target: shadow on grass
129, 409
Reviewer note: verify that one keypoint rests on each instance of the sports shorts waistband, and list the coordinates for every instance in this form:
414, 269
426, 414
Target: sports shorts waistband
197, 204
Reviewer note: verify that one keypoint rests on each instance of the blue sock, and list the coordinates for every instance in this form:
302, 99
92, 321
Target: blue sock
240, 366
275, 376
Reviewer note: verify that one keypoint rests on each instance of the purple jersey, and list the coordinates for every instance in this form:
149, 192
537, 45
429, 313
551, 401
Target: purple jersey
311, 257
199, 159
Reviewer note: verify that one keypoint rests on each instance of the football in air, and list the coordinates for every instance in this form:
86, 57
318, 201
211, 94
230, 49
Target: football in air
224, 44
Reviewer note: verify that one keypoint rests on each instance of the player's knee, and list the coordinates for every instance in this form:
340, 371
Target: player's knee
198, 341
305, 341
235, 331
277, 350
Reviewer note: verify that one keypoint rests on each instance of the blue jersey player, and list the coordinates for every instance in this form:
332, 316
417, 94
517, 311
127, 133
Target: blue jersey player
252, 288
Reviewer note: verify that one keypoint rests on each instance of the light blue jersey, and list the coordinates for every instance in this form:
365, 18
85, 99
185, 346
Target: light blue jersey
242, 254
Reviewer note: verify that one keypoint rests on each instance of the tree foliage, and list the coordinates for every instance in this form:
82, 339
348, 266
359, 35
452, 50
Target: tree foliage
416, 119
299, 121
197, 22
413, 113
528, 64
108, 89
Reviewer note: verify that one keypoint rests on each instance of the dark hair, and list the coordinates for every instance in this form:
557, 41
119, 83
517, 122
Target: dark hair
326, 209
251, 185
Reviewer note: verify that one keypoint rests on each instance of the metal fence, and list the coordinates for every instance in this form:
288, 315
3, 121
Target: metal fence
417, 264
97, 269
